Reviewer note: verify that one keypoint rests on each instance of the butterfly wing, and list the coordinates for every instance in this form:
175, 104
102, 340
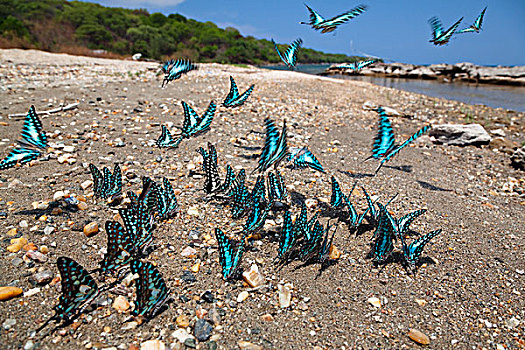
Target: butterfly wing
437, 28
362, 64
209, 165
229, 259
384, 140
305, 158
330, 24
281, 151
392, 153
291, 53
311, 245
445, 37
270, 145
242, 98
177, 69
191, 120
315, 18
414, 250
257, 217
115, 185
204, 122
228, 181
19, 155
165, 139
151, 290
336, 200
479, 20
383, 244
119, 248
232, 95
167, 65
403, 223
281, 56
32, 135
287, 238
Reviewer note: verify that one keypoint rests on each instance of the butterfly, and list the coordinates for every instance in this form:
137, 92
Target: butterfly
287, 238
324, 251
194, 125
230, 254
338, 199
241, 196
275, 146
106, 184
174, 70
440, 37
384, 234
33, 139
259, 190
276, 187
209, 166
165, 139
137, 222
356, 66
167, 204
374, 213
413, 251
312, 243
148, 196
384, 146
234, 99
257, 217
290, 55
228, 181
78, 290
476, 26
329, 25
119, 248
167, 65
402, 224
302, 158
152, 292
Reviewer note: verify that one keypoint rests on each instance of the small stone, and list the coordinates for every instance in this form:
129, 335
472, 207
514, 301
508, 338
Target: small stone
8, 323
43, 277
212, 345
36, 256
513, 323
14, 183
188, 277
44, 249
7, 293
121, 304
82, 205
208, 297
68, 149
14, 248
189, 252
32, 292
334, 253
374, 301
267, 318
214, 316
91, 229
285, 296
130, 325
154, 344
190, 343
182, 321
242, 296
181, 335
86, 184
421, 302
29, 246
29, 345
49, 230
311, 203
418, 336
246, 345
193, 211
253, 277
14, 231
201, 313
58, 195
202, 330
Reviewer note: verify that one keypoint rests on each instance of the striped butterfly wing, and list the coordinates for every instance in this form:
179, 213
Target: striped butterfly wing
413, 251
259, 190
287, 238
479, 21
165, 139
177, 69
151, 290
336, 200
243, 97
167, 204
241, 199
311, 245
371, 205
270, 145
437, 28
228, 181
362, 64
233, 95
315, 18
445, 37
281, 152
204, 122
115, 184
191, 120
281, 56
98, 180
119, 248
32, 135
384, 139
330, 24
403, 223
257, 217
384, 234
305, 158
291, 53
167, 65
229, 257
19, 155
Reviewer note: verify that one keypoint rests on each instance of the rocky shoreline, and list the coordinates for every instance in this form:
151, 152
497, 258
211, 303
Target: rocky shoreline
460, 72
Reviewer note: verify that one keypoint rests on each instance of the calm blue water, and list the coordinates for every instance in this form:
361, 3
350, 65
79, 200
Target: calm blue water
496, 96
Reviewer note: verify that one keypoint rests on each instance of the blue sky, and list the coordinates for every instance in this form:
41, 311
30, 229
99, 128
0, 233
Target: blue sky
396, 30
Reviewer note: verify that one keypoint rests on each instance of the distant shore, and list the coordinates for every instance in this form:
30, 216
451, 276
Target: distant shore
460, 72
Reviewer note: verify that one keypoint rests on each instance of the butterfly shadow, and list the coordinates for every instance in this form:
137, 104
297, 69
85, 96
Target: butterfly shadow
356, 176
297, 198
429, 186
67, 209
403, 168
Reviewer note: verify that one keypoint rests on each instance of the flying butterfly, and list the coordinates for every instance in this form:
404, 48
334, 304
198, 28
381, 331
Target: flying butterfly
384, 146
151, 290
290, 55
440, 37
329, 25
106, 184
302, 158
275, 146
356, 66
167, 204
234, 99
166, 65
78, 290
194, 124
174, 70
32, 140
230, 254
413, 251
476, 26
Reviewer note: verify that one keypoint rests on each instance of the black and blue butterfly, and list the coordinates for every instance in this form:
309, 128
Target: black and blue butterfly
79, 289
412, 252
290, 55
234, 99
303, 157
384, 146
173, 70
230, 254
147, 196
32, 141
476, 26
385, 235
209, 166
241, 197
167, 204
151, 290
194, 124
106, 184
374, 213
356, 66
119, 249
275, 146
258, 214
137, 223
329, 25
166, 140
288, 237
276, 187
338, 199
440, 37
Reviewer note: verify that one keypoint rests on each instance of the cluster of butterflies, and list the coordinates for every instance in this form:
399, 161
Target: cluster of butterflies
127, 244
388, 228
442, 37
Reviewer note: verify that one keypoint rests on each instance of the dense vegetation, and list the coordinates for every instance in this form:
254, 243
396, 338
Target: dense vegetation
81, 27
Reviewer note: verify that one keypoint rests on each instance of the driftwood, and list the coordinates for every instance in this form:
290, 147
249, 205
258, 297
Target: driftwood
51, 111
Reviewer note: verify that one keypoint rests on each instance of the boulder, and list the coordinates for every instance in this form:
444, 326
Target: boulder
459, 135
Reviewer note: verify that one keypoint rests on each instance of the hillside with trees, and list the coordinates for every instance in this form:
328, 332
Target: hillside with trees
87, 28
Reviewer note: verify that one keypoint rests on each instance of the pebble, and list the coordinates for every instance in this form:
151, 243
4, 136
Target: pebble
36, 256
418, 336
201, 313
267, 318
311, 203
154, 344
242, 296
42, 205
130, 325
208, 297
513, 323
58, 195
182, 321
29, 345
49, 230
214, 316
253, 277
181, 335
421, 302
374, 301
32, 292
91, 229
86, 184
246, 345
188, 277
193, 211
44, 249
189, 252
43, 277
285, 296
190, 343
8, 323
334, 253
14, 231
7, 293
121, 304
202, 330
82, 205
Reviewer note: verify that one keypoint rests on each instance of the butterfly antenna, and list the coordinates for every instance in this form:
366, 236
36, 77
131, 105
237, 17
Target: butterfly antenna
52, 318
391, 199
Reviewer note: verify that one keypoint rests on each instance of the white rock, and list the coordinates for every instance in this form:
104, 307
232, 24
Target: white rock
154, 344
253, 277
58, 195
242, 296
23, 224
31, 292
69, 149
460, 135
86, 184
285, 296
374, 301
181, 335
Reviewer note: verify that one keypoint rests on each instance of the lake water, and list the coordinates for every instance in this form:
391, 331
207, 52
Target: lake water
496, 96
